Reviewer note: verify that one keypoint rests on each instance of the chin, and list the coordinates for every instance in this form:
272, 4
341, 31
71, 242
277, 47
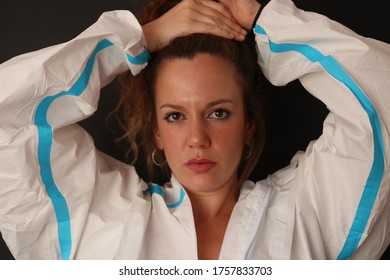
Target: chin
203, 183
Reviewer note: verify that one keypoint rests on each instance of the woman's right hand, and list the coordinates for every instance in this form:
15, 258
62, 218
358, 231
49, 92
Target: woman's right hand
192, 16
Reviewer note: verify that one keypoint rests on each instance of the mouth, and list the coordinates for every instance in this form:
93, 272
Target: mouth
200, 165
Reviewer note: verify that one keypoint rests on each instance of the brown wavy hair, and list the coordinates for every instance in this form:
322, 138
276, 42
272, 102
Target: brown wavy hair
136, 108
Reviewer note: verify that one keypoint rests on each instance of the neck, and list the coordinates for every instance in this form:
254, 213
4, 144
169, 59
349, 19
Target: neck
211, 205
212, 212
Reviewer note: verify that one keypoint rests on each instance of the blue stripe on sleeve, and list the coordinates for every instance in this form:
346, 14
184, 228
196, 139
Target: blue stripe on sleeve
177, 203
156, 189
45, 141
142, 58
373, 183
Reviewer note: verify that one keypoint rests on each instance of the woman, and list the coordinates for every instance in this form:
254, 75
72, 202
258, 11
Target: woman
331, 202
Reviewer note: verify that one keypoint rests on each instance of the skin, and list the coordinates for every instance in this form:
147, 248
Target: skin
192, 99
244, 11
200, 116
192, 16
229, 19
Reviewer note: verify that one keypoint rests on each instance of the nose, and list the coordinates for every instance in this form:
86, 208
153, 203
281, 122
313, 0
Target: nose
199, 136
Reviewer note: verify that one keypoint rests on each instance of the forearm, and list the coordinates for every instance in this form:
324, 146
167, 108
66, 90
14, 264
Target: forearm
49, 167
84, 64
346, 168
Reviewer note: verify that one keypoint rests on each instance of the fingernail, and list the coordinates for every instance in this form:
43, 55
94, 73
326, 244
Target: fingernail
240, 37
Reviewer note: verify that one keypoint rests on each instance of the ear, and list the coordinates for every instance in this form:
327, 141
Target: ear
250, 129
157, 136
158, 139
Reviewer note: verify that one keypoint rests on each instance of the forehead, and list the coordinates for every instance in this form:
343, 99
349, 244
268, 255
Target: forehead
203, 77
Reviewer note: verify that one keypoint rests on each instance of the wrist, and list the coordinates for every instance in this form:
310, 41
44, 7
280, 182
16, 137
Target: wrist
256, 10
256, 17
150, 37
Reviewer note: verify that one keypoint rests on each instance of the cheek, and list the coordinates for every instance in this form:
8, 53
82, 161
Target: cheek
168, 138
230, 139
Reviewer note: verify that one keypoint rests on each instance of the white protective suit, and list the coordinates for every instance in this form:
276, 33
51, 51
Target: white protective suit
60, 198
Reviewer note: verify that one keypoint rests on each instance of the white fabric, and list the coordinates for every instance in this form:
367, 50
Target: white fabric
304, 211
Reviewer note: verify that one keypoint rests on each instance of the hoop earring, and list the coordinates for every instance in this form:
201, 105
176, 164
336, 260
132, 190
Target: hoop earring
154, 159
249, 150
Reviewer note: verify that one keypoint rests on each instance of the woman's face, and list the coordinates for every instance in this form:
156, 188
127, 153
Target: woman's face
201, 124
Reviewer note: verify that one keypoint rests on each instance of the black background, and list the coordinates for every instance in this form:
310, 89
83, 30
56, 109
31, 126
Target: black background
31, 25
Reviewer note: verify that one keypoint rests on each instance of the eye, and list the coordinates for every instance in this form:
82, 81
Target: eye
219, 114
173, 117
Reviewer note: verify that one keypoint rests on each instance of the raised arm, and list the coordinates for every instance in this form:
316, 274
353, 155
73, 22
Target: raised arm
45, 158
59, 194
343, 178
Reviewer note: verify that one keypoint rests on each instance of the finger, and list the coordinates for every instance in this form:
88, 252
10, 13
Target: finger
215, 29
225, 3
220, 14
214, 20
217, 26
218, 7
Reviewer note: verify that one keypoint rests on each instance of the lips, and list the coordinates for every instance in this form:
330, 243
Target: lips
200, 165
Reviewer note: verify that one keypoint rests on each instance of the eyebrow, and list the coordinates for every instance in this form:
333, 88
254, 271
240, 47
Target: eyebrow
209, 105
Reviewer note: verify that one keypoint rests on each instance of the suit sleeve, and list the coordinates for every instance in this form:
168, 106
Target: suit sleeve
342, 195
51, 175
